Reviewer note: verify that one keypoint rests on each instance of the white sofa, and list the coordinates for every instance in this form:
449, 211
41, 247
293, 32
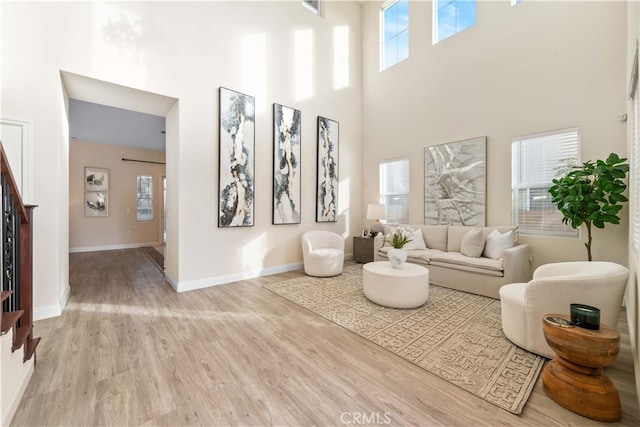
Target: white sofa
463, 262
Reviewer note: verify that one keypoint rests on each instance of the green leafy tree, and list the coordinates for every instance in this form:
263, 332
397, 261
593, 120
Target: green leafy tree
592, 194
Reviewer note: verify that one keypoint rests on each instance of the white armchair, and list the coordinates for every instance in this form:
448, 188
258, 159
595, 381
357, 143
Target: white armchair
322, 253
555, 286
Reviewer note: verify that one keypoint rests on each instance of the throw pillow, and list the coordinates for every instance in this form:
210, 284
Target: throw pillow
417, 241
472, 243
388, 231
497, 243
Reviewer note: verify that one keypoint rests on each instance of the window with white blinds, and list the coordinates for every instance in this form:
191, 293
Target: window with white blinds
394, 190
535, 161
145, 198
634, 176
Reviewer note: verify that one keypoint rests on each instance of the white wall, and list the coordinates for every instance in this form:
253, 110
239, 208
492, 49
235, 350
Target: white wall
186, 51
15, 375
533, 67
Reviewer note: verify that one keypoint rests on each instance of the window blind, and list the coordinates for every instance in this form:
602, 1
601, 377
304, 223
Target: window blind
394, 190
536, 160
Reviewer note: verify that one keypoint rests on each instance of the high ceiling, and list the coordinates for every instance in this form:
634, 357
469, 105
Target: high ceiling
103, 124
108, 113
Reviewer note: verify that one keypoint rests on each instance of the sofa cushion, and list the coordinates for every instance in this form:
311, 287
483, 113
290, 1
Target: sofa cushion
456, 258
472, 243
417, 241
455, 234
468, 269
420, 255
497, 243
503, 229
435, 236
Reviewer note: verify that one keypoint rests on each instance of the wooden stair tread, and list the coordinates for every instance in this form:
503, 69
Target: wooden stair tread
5, 295
9, 319
30, 348
20, 337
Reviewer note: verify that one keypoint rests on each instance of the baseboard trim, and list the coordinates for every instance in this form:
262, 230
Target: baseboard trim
171, 281
112, 247
192, 285
54, 310
65, 297
46, 312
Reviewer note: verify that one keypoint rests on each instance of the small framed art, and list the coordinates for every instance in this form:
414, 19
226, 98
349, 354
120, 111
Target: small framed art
96, 203
96, 179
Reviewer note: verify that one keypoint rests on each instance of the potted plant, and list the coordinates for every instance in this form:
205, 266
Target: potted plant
591, 194
400, 237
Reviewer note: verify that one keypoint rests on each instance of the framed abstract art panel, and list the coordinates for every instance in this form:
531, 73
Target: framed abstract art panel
286, 165
96, 179
327, 180
237, 151
455, 183
96, 203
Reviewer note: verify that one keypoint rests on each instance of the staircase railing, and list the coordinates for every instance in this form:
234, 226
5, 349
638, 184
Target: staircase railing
16, 231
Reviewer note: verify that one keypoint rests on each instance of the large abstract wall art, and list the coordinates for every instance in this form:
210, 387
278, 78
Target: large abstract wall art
455, 183
286, 165
327, 188
237, 147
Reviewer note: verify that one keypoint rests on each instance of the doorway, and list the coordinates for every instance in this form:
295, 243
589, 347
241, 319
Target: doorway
88, 90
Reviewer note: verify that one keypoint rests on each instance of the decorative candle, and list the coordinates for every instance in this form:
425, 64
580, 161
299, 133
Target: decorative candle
585, 316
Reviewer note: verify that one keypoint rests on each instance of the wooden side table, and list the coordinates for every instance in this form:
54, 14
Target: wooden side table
362, 249
575, 378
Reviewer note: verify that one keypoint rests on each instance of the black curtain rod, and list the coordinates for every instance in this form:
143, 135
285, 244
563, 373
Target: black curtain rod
142, 161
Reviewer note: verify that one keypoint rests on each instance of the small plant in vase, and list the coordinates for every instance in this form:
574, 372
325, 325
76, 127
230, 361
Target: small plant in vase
400, 237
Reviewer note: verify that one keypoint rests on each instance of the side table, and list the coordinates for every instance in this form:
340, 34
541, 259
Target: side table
575, 379
362, 249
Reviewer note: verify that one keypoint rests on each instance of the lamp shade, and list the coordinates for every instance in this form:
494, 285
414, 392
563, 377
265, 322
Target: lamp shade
376, 211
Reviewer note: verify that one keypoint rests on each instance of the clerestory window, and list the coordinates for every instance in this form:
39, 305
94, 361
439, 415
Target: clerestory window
451, 17
394, 35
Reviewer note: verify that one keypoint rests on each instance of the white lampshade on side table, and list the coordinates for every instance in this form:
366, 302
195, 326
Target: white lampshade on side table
376, 212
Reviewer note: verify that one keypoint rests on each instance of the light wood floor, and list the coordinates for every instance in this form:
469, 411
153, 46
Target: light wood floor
128, 350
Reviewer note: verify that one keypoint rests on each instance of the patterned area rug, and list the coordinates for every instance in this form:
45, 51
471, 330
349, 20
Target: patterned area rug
455, 335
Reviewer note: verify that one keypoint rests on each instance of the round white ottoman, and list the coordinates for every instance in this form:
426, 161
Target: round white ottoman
406, 287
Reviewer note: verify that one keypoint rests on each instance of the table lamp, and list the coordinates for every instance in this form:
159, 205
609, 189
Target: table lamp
377, 212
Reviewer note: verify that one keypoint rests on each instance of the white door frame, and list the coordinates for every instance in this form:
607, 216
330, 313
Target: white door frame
19, 148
